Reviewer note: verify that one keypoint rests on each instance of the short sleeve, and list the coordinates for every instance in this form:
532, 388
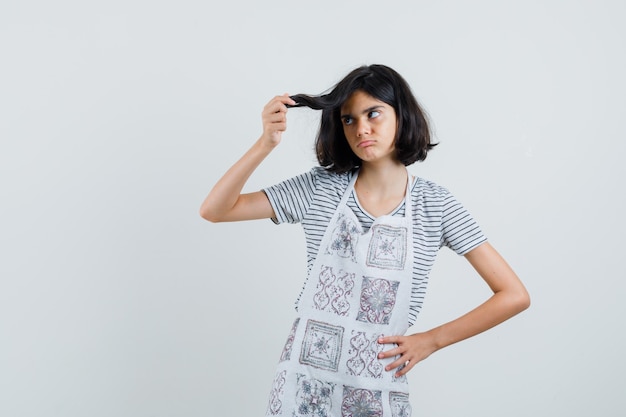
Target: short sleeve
460, 232
292, 198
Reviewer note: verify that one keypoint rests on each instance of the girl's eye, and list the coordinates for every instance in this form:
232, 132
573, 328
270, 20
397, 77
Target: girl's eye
347, 120
374, 113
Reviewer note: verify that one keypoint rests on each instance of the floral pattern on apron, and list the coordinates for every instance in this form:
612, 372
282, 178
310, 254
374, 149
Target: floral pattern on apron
358, 289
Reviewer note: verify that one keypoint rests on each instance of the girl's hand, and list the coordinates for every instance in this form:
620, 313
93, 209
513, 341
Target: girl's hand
410, 350
274, 118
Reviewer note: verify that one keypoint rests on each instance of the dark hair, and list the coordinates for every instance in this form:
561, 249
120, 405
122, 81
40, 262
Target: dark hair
412, 141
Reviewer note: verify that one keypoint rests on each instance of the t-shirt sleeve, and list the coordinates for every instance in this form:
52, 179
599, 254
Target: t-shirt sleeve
292, 198
460, 232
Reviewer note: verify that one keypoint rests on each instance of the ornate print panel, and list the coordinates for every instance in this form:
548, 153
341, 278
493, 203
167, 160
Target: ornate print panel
364, 350
358, 402
378, 297
321, 347
399, 403
334, 291
313, 397
286, 354
344, 238
274, 407
387, 248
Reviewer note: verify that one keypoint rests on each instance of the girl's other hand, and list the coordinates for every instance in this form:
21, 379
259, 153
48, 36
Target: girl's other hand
409, 351
274, 118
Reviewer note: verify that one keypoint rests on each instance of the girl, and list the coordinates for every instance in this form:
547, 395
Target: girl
372, 233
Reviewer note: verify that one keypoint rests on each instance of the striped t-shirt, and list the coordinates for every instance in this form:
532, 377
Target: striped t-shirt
439, 220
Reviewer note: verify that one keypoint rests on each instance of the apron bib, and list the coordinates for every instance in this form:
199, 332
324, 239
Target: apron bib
358, 289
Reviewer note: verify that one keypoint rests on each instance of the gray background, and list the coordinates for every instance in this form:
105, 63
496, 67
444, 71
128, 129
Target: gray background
117, 299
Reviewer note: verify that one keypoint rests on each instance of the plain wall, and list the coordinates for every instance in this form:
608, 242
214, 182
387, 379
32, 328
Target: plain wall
117, 299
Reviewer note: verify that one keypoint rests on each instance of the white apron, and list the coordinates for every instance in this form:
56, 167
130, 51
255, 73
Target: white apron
358, 289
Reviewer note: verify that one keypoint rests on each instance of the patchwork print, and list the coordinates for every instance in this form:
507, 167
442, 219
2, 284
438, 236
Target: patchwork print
364, 350
313, 397
321, 347
378, 297
344, 238
334, 291
286, 354
274, 407
358, 402
399, 403
387, 249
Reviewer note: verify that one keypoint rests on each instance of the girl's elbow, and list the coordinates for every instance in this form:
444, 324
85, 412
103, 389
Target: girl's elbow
522, 300
209, 215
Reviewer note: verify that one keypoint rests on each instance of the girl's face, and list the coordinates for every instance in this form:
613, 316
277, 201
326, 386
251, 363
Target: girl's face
370, 127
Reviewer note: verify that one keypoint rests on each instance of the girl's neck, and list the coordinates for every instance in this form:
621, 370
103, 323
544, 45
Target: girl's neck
382, 178
380, 189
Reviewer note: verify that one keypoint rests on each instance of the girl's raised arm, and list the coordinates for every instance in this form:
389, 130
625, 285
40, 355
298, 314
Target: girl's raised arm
225, 201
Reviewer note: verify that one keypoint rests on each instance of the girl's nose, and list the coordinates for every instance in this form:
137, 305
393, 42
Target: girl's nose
362, 128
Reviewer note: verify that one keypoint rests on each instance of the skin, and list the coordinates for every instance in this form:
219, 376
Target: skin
370, 127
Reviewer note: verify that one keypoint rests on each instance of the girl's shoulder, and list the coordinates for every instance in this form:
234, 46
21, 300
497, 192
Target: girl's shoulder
321, 172
422, 186
328, 181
